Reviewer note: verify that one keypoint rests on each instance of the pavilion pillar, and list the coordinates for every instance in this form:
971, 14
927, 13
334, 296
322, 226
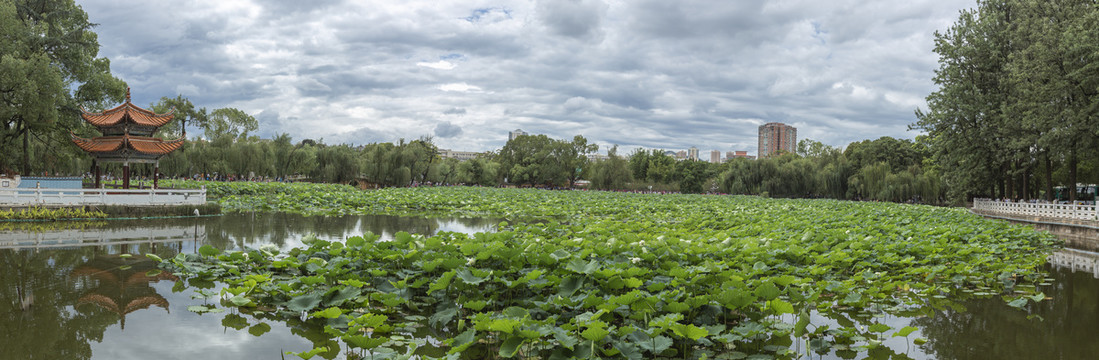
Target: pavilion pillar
156, 173
98, 178
126, 175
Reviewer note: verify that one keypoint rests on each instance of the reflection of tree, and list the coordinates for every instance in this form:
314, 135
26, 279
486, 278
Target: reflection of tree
244, 230
123, 284
57, 287
36, 294
992, 330
39, 291
389, 225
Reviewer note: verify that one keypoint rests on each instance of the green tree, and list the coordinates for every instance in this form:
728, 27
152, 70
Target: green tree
572, 157
813, 148
612, 173
532, 159
639, 164
1017, 94
230, 122
692, 175
478, 171
48, 69
184, 113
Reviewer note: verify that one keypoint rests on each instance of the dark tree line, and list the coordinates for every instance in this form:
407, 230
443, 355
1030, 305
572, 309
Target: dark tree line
885, 169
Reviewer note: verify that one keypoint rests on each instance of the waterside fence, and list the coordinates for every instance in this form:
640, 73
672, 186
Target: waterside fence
21, 197
1042, 210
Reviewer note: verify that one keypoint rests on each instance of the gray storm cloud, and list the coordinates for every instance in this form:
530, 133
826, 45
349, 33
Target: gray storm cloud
654, 74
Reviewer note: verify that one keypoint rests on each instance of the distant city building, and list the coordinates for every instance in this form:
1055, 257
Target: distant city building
692, 153
517, 133
681, 155
729, 155
715, 157
597, 157
460, 155
775, 137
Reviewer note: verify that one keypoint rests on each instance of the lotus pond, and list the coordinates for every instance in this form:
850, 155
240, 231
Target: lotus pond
608, 275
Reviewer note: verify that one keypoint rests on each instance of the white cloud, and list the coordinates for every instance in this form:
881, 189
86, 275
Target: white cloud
459, 87
438, 65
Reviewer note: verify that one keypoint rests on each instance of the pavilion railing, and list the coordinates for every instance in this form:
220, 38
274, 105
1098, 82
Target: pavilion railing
1064, 211
81, 197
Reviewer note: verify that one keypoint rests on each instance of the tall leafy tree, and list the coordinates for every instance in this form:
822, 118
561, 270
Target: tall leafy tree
1018, 94
185, 114
230, 122
538, 159
48, 69
965, 116
572, 157
612, 173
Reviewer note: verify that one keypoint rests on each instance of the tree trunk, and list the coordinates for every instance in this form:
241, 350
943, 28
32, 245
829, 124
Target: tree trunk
1072, 175
1000, 184
26, 151
1009, 180
1024, 182
1048, 176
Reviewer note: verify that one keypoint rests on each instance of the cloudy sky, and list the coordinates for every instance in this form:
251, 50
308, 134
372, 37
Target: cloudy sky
646, 73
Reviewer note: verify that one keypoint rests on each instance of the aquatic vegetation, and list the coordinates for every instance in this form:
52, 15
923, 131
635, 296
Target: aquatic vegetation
617, 275
41, 213
43, 226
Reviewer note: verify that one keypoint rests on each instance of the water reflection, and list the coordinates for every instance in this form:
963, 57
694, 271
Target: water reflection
121, 284
75, 294
84, 293
1061, 327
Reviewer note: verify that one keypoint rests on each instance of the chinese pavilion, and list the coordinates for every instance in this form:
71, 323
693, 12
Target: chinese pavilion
127, 138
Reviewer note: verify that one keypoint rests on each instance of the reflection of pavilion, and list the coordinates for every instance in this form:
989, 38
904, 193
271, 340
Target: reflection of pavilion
1076, 260
123, 284
10, 239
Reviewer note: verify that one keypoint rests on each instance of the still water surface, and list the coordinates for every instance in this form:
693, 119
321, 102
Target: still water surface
75, 294
79, 294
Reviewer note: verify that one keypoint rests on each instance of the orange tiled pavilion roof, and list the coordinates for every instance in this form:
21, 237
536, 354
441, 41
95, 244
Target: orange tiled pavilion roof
127, 112
141, 144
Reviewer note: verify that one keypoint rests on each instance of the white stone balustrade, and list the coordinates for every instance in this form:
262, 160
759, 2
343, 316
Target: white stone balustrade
82, 197
1063, 211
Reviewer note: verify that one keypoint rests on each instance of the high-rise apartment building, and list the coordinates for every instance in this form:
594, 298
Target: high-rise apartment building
715, 156
692, 153
775, 137
517, 133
